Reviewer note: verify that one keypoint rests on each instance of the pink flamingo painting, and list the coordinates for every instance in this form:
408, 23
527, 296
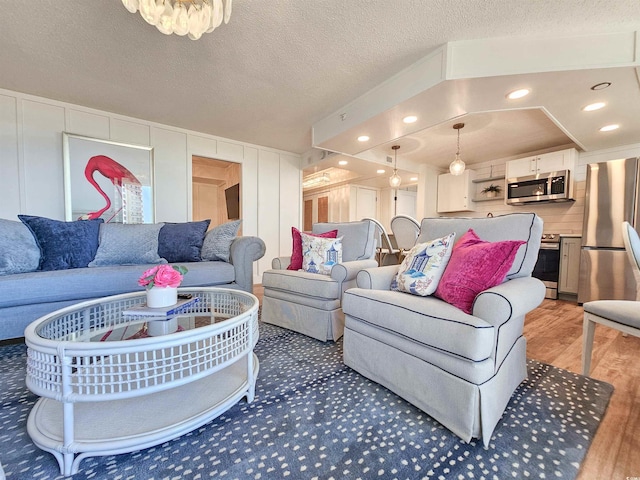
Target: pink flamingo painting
115, 172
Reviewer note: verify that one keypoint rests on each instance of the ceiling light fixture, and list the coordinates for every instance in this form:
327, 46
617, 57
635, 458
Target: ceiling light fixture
363, 138
601, 86
380, 170
395, 180
315, 180
457, 166
414, 179
182, 17
594, 106
609, 128
410, 119
343, 162
523, 92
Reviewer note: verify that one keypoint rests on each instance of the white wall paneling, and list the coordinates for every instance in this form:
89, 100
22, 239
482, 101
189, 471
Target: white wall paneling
42, 127
170, 172
11, 182
126, 131
290, 196
268, 204
89, 124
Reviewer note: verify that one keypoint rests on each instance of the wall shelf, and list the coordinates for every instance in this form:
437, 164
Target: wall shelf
485, 199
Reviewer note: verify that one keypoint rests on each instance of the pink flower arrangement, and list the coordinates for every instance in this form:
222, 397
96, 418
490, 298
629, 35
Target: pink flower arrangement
162, 276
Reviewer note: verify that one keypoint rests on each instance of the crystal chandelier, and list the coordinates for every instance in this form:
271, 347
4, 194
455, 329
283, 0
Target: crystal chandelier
395, 180
457, 166
182, 17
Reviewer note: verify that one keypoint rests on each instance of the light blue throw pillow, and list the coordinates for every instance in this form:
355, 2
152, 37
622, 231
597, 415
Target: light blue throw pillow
19, 252
128, 244
217, 243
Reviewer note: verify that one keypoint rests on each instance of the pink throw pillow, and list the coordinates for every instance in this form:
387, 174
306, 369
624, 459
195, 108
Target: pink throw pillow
475, 265
296, 252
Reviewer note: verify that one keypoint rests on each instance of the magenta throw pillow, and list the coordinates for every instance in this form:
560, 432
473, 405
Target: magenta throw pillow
475, 265
296, 252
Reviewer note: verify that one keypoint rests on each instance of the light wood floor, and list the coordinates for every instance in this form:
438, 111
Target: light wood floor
554, 336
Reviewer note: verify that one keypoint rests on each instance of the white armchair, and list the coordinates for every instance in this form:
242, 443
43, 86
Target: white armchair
311, 303
459, 368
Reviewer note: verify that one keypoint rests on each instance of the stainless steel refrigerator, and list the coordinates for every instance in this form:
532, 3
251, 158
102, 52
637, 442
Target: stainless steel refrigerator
612, 196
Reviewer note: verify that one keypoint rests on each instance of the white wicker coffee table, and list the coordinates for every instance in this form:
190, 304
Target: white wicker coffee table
108, 387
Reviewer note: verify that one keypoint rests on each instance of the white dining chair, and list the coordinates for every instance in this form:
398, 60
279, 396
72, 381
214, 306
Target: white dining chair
623, 315
405, 230
386, 253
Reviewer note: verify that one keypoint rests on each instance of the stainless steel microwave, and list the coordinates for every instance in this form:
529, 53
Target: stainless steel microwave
543, 187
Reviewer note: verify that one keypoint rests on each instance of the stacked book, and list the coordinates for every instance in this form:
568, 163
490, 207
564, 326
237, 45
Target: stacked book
161, 312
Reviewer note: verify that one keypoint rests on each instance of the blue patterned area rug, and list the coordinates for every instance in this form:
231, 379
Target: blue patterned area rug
313, 417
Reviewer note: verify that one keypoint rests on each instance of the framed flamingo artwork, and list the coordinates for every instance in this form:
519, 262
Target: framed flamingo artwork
108, 180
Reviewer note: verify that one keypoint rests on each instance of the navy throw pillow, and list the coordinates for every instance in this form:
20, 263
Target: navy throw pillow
64, 245
182, 242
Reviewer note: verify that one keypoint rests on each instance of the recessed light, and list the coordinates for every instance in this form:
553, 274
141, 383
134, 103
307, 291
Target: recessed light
594, 106
523, 92
609, 128
601, 86
363, 138
343, 162
414, 179
410, 119
381, 170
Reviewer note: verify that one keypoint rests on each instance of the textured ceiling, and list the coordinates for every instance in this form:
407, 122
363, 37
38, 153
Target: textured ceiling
278, 67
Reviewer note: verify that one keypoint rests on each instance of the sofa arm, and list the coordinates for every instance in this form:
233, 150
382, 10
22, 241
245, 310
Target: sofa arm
346, 271
377, 278
280, 263
510, 299
245, 251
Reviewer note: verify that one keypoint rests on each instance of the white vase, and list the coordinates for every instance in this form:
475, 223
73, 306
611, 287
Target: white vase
156, 328
162, 297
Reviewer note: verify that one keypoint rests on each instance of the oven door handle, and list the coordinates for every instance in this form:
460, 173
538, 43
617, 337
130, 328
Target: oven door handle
549, 246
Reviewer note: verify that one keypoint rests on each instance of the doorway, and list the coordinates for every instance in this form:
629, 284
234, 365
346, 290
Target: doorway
216, 190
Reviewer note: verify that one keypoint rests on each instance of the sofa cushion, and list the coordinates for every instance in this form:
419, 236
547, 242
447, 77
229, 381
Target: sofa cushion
514, 226
425, 320
182, 242
19, 251
217, 243
475, 266
422, 268
296, 249
84, 283
64, 245
128, 244
320, 254
359, 241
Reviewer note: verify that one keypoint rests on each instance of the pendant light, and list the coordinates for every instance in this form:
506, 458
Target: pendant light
395, 180
457, 166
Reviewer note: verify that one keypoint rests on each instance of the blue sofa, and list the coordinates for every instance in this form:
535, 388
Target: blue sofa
24, 297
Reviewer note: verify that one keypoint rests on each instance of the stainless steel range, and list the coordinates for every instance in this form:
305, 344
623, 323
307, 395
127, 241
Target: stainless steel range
547, 267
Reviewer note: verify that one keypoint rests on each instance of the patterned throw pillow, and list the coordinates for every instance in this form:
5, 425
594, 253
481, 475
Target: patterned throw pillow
217, 243
319, 255
128, 244
423, 266
475, 266
296, 252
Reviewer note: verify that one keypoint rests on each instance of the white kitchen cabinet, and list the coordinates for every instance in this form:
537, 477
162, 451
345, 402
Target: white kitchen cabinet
455, 192
544, 163
569, 265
